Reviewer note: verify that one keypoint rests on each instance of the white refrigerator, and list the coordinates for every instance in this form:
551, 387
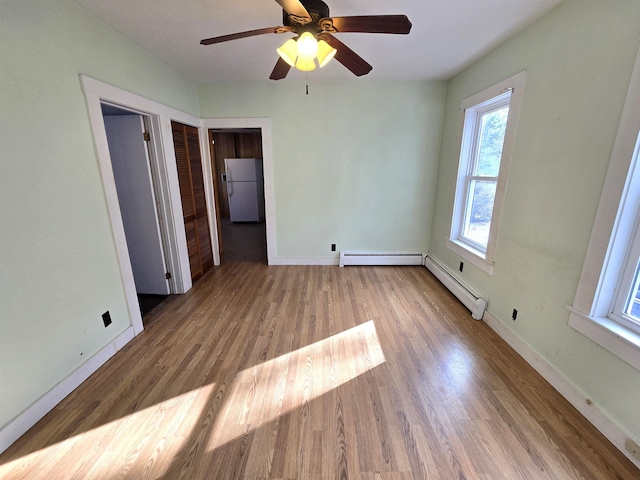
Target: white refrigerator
245, 189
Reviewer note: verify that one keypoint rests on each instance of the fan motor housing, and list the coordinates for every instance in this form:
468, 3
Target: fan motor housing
316, 8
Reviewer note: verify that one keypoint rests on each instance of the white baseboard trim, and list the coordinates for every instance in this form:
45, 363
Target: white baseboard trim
381, 258
568, 390
32, 414
305, 261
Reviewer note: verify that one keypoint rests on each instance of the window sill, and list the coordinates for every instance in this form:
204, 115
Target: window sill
475, 257
622, 342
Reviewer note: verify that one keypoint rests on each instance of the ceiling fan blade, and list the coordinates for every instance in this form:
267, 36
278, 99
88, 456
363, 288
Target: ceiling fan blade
295, 8
399, 24
250, 33
280, 70
350, 59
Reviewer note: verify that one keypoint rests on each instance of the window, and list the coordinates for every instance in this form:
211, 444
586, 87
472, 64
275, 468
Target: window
487, 123
625, 309
606, 305
485, 155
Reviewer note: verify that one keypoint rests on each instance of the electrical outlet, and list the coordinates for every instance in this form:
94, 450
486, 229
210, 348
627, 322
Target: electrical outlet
633, 448
106, 318
514, 315
333, 247
461, 266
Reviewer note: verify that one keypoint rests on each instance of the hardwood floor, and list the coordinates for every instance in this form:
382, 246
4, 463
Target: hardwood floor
373, 373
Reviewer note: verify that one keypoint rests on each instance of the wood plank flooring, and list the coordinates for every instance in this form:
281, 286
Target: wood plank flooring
300, 372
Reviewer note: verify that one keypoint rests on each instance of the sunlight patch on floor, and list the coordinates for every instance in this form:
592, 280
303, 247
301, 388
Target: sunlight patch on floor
144, 444
460, 366
121, 446
262, 393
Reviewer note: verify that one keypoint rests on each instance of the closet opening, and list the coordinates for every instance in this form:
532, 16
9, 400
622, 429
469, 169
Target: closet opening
129, 137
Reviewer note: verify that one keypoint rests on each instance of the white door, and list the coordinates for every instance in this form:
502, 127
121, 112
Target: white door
130, 163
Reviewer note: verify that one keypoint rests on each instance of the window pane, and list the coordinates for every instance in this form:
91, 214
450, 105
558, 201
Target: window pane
479, 210
492, 128
633, 302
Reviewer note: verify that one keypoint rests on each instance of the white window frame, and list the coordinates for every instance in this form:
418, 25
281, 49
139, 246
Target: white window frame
627, 282
611, 241
478, 104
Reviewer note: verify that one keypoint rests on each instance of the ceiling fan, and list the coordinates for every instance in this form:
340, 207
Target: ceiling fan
310, 21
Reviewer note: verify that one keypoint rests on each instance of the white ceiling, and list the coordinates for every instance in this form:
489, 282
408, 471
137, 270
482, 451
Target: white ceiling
447, 35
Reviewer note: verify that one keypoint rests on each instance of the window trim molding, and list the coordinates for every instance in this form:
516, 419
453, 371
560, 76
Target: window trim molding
614, 223
475, 257
485, 260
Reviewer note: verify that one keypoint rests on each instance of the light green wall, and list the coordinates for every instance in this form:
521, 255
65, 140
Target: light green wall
579, 60
354, 163
59, 271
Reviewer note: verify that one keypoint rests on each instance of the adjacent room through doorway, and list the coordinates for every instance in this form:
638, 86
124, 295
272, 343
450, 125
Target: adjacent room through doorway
238, 181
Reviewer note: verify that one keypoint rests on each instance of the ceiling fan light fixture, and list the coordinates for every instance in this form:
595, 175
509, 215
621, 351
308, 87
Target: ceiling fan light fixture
289, 52
302, 52
315, 44
325, 53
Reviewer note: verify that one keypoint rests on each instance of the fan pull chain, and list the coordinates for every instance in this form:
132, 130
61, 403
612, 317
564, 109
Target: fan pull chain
306, 76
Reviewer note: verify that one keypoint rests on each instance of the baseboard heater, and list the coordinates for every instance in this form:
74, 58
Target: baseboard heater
381, 258
469, 299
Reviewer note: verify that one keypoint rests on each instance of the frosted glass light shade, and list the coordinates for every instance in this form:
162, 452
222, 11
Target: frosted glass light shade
307, 46
325, 53
306, 64
289, 52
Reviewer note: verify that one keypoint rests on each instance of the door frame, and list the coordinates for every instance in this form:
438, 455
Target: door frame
162, 156
264, 125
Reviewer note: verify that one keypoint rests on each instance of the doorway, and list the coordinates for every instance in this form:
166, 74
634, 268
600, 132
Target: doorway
127, 137
240, 198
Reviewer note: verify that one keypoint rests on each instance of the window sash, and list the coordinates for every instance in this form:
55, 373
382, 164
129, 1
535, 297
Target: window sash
628, 282
464, 236
474, 116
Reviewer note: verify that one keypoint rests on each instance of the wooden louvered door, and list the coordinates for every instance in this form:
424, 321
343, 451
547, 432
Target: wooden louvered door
194, 206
